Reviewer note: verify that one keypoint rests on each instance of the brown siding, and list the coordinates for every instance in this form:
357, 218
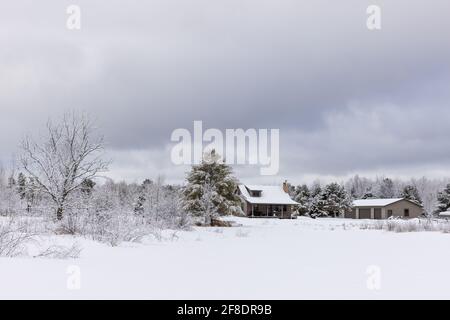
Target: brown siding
399, 207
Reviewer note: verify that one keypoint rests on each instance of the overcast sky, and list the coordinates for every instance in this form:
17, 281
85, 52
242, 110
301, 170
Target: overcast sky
346, 99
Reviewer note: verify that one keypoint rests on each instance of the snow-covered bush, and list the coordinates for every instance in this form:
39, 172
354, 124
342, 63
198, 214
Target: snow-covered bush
413, 225
13, 239
60, 252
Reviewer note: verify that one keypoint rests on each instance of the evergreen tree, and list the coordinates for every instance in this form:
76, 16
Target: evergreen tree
11, 182
211, 182
302, 195
22, 185
443, 199
139, 206
87, 186
368, 194
316, 205
335, 200
410, 192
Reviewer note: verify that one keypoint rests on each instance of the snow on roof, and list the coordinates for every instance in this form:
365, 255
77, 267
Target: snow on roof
375, 202
444, 214
269, 194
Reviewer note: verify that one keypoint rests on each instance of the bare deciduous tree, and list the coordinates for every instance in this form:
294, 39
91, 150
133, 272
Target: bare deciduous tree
67, 155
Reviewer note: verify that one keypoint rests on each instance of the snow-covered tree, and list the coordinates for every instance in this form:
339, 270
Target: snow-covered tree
22, 185
410, 192
316, 204
357, 186
386, 188
212, 175
335, 200
209, 203
69, 154
302, 195
443, 199
368, 194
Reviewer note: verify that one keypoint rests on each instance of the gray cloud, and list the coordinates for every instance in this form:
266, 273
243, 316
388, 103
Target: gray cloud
345, 99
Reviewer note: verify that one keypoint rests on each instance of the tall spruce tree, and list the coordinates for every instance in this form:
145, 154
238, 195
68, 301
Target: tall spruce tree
211, 189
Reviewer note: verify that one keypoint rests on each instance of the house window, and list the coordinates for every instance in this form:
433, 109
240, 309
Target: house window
389, 213
406, 211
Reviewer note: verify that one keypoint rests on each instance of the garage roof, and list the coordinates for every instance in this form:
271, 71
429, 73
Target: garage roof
375, 202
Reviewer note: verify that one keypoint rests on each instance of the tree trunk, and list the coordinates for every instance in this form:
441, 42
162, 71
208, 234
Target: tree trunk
59, 213
208, 220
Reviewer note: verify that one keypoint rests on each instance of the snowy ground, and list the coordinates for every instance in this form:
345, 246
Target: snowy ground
263, 259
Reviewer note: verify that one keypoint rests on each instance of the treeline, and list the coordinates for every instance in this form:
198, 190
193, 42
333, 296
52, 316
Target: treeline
153, 200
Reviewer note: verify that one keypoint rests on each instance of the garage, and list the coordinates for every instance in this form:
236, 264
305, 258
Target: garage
385, 208
377, 213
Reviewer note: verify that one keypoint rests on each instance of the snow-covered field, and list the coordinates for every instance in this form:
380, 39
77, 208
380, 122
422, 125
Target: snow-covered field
262, 259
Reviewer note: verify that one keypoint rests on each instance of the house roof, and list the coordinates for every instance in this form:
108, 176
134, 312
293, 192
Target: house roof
444, 214
269, 194
376, 202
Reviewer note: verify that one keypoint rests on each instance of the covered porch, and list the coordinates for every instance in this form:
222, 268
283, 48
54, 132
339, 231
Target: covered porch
282, 211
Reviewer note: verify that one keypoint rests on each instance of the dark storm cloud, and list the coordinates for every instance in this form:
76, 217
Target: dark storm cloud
345, 98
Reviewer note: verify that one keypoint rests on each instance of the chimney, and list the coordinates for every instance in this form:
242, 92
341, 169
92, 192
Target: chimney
286, 186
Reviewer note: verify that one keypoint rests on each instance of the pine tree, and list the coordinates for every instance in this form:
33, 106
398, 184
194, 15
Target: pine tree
411, 193
11, 182
302, 195
335, 200
87, 186
22, 185
368, 194
211, 182
139, 207
316, 204
443, 199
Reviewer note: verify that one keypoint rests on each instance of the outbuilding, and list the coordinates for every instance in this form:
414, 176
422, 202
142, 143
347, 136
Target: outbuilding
384, 209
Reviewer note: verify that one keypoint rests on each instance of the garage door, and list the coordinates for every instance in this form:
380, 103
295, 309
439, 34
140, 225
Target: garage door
364, 213
377, 213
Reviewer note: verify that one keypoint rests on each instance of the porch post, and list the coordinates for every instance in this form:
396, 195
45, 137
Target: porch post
357, 213
267, 210
252, 211
372, 213
281, 211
